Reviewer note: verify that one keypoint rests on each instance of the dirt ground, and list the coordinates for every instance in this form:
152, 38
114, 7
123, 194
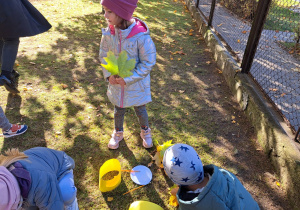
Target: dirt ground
236, 140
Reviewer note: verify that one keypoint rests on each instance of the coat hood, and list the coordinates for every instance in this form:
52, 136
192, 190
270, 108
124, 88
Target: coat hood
223, 191
138, 26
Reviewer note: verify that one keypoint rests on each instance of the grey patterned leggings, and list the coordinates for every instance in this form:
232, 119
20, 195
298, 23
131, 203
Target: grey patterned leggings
140, 112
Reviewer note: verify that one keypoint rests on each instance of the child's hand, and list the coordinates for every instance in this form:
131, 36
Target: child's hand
120, 81
112, 80
174, 191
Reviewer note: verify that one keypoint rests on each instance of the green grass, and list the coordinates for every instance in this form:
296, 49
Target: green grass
281, 18
63, 98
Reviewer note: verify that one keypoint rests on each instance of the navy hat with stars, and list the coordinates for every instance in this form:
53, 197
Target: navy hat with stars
183, 165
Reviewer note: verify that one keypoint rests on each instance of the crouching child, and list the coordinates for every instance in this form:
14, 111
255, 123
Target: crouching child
208, 187
38, 178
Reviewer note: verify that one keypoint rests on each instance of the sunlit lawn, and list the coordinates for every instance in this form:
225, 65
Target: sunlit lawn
63, 97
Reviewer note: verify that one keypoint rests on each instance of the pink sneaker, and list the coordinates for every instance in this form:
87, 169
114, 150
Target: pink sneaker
116, 137
147, 139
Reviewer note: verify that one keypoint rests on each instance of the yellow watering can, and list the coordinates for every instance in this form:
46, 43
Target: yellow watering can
144, 205
109, 175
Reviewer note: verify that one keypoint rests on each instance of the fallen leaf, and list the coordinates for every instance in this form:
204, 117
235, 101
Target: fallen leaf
173, 201
283, 94
273, 89
32, 63
191, 34
208, 62
238, 41
157, 160
244, 32
109, 199
150, 164
235, 152
220, 24
26, 88
64, 86
175, 11
180, 52
278, 184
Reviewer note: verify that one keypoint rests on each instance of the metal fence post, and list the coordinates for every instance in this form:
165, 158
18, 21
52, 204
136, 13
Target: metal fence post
211, 14
256, 29
197, 4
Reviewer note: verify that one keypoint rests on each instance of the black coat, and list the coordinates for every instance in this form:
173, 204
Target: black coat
19, 18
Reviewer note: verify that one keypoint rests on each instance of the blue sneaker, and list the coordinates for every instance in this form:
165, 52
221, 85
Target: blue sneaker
15, 130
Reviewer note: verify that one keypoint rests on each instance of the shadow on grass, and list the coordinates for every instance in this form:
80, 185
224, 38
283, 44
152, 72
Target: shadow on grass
35, 136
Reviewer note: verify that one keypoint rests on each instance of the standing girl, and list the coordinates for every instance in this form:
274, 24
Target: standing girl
132, 35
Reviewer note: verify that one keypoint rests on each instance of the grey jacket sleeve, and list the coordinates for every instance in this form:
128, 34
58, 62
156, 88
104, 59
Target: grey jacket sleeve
147, 59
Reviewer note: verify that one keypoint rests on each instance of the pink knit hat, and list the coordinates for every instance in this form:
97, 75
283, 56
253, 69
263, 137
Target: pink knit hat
122, 8
10, 190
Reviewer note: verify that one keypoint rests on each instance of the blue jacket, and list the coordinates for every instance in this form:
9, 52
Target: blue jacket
136, 41
46, 168
223, 191
19, 18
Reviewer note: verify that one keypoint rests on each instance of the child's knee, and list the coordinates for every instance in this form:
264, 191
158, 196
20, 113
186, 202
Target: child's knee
67, 188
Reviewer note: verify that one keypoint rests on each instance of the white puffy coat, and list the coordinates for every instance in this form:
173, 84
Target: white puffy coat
136, 41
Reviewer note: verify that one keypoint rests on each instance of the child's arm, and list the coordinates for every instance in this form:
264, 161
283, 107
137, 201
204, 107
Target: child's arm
47, 193
147, 59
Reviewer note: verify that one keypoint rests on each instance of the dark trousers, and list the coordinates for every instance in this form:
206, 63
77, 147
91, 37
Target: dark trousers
8, 53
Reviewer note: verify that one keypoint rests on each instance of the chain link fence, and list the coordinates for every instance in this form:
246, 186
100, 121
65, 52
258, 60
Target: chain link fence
276, 62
